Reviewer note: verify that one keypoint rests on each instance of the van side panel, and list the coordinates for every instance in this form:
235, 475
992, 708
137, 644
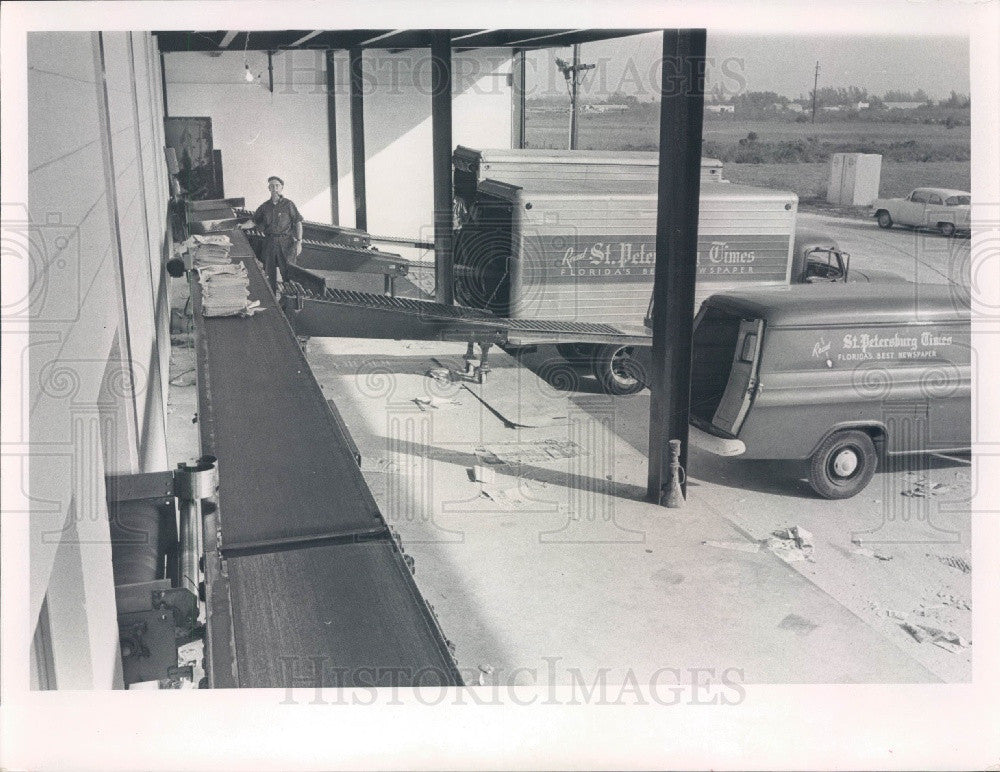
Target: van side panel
591, 258
912, 379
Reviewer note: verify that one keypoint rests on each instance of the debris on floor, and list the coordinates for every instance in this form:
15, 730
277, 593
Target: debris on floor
539, 451
434, 403
870, 553
797, 624
505, 497
946, 639
440, 374
953, 561
739, 546
924, 488
954, 602
482, 474
791, 544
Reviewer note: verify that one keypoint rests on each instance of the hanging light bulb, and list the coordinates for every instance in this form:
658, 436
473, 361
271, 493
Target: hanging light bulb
248, 76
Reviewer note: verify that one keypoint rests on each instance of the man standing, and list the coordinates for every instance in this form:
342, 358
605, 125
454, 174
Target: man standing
281, 222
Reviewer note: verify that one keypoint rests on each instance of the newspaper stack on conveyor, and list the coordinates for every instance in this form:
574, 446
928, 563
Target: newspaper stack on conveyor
225, 286
225, 291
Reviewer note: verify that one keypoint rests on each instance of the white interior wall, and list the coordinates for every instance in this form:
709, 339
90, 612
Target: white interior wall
84, 418
286, 133
260, 133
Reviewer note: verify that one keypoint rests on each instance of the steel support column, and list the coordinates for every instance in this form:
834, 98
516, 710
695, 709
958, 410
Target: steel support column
441, 151
358, 141
517, 96
682, 95
331, 133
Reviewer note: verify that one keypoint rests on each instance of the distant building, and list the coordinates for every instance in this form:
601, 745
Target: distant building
862, 105
903, 105
795, 107
721, 109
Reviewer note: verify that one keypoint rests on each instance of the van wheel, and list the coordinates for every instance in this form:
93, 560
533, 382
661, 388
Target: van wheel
617, 370
947, 229
884, 219
843, 465
575, 352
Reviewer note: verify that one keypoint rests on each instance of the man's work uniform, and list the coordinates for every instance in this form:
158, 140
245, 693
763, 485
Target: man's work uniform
278, 223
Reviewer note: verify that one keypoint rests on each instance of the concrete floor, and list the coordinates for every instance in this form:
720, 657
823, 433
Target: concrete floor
562, 561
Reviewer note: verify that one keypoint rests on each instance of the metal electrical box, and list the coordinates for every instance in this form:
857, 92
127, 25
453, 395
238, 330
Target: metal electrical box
854, 178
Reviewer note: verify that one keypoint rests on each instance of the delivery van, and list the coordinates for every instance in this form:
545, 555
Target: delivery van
839, 376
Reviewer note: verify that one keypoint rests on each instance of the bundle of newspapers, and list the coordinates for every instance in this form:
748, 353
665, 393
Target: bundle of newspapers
207, 250
225, 291
225, 286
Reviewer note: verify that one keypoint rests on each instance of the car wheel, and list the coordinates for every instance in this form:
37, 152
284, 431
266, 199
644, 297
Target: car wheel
575, 352
947, 229
617, 370
843, 465
884, 219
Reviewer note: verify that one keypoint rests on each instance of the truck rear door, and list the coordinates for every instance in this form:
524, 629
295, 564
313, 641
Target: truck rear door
742, 385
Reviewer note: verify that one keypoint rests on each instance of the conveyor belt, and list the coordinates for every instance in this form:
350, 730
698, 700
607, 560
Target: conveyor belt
344, 313
301, 567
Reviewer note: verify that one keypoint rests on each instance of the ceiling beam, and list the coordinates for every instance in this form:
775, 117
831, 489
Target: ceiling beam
305, 38
228, 39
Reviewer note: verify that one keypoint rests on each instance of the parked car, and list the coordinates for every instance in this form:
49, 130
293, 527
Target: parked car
817, 258
941, 209
837, 376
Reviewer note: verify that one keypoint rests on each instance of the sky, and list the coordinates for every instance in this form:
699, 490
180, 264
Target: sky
785, 64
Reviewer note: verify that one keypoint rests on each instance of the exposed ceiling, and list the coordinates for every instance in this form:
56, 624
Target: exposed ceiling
393, 40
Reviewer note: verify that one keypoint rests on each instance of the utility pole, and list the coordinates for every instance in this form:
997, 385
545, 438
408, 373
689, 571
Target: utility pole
570, 72
815, 86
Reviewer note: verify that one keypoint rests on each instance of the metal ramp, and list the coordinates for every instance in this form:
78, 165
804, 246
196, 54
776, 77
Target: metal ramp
320, 311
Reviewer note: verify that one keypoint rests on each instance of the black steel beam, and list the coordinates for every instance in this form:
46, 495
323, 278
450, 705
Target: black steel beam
441, 151
331, 133
518, 98
358, 141
682, 95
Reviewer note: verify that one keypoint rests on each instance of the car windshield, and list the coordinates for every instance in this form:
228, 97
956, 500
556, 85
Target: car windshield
958, 201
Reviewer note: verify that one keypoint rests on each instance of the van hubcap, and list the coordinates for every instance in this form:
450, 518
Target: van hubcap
845, 462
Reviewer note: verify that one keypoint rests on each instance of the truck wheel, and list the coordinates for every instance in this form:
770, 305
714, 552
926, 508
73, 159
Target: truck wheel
884, 219
617, 370
843, 465
575, 352
947, 229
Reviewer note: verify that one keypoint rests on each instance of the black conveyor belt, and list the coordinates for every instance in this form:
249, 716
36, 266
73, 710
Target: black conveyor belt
305, 584
262, 411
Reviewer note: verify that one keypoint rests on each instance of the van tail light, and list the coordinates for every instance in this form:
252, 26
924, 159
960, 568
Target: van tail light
749, 347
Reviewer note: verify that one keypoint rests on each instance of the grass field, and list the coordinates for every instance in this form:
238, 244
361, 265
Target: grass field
809, 180
903, 146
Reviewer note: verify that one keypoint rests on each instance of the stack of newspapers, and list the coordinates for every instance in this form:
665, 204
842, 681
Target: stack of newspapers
225, 291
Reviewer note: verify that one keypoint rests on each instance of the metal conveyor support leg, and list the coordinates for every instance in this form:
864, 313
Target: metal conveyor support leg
484, 366
470, 357
193, 483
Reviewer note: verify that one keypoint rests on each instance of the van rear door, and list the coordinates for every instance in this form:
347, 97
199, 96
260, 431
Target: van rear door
742, 384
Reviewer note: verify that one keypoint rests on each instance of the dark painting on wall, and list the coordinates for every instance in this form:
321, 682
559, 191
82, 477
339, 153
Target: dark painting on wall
191, 138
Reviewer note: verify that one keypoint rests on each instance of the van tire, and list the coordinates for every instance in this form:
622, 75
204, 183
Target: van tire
884, 219
947, 229
617, 371
843, 464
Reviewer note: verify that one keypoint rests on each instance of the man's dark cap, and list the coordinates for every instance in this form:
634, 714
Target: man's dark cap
273, 177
